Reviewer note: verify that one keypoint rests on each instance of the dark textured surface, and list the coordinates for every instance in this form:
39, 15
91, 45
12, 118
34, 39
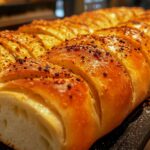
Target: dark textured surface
132, 134
25, 7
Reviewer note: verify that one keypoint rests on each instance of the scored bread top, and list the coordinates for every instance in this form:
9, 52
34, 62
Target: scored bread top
64, 93
104, 74
107, 72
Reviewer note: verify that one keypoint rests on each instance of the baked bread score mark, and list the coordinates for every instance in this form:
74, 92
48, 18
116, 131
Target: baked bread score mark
65, 85
66, 96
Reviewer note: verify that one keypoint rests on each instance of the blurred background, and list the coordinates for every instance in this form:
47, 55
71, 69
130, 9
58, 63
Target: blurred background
15, 12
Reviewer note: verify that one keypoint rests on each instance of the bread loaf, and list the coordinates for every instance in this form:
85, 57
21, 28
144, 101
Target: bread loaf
67, 93
37, 38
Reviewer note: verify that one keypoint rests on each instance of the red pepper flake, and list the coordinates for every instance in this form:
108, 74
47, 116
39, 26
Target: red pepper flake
59, 82
137, 49
95, 46
20, 61
46, 68
17, 49
82, 57
69, 86
121, 48
73, 48
111, 60
40, 68
92, 42
125, 55
14, 65
56, 74
104, 74
46, 76
97, 54
78, 79
122, 41
67, 75
70, 96
107, 53
135, 22
90, 51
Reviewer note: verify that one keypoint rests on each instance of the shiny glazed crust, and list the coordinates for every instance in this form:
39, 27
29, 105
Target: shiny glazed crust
68, 84
66, 94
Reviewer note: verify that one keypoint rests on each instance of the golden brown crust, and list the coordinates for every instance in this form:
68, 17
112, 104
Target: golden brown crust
48, 41
121, 14
102, 72
39, 29
29, 41
79, 28
88, 22
140, 25
17, 50
129, 53
99, 18
5, 58
58, 24
137, 10
132, 34
110, 69
57, 29
61, 91
92, 25
66, 32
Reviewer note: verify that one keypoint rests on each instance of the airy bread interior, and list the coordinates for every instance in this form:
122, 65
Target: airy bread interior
31, 121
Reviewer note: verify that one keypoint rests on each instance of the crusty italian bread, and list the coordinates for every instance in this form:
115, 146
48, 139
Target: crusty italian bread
5, 57
89, 55
115, 39
112, 65
88, 22
36, 39
51, 108
80, 89
106, 74
131, 33
45, 107
29, 42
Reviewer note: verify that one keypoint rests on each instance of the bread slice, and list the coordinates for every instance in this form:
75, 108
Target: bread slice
27, 124
48, 30
106, 77
140, 25
29, 41
48, 41
17, 50
132, 34
48, 106
129, 53
5, 58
